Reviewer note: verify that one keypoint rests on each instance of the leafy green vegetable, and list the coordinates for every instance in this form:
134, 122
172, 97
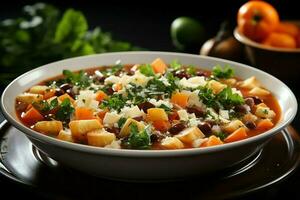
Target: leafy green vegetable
72, 27
220, 72
207, 96
44, 106
166, 108
146, 70
80, 79
156, 87
121, 122
115, 102
229, 99
221, 135
65, 110
139, 140
44, 34
225, 99
191, 70
175, 64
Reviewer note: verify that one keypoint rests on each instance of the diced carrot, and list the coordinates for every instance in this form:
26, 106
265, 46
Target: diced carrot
180, 99
117, 87
100, 96
264, 125
161, 125
66, 96
237, 135
32, 116
173, 116
48, 94
102, 113
156, 114
28, 107
159, 66
212, 141
83, 113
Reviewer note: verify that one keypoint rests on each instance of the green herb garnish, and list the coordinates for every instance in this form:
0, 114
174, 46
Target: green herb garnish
80, 79
229, 99
139, 139
221, 135
115, 102
166, 108
146, 70
65, 110
121, 122
219, 72
175, 64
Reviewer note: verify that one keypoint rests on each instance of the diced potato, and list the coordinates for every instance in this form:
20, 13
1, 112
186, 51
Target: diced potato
249, 118
48, 127
198, 142
231, 81
29, 98
155, 114
233, 125
66, 96
100, 138
38, 89
250, 83
257, 91
125, 131
189, 135
79, 128
216, 86
66, 136
264, 112
171, 143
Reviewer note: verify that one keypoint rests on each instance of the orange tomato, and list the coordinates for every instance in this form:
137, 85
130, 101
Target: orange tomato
257, 19
281, 40
288, 28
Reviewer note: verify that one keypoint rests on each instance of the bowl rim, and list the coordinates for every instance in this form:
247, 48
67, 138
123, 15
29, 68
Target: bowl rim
144, 153
245, 40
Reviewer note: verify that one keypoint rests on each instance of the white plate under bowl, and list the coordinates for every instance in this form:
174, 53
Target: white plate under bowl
146, 165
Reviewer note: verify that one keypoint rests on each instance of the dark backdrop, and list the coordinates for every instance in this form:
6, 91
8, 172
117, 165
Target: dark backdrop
147, 23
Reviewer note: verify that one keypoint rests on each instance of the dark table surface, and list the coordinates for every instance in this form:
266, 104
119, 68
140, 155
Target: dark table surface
136, 25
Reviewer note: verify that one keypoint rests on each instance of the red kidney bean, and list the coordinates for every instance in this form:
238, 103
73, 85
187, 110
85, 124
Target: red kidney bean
249, 101
59, 92
65, 86
114, 130
205, 127
110, 91
198, 111
182, 74
71, 93
241, 109
250, 125
201, 73
140, 118
145, 106
177, 128
257, 100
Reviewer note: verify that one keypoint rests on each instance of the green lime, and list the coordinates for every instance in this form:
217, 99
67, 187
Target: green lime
187, 32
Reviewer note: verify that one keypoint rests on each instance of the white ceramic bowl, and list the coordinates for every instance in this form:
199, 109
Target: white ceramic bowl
146, 165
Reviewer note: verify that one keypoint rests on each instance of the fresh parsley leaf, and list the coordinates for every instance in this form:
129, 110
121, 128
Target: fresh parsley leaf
65, 110
175, 64
166, 108
121, 122
115, 102
221, 135
80, 79
207, 96
229, 99
219, 72
139, 140
146, 70
44, 106
191, 70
